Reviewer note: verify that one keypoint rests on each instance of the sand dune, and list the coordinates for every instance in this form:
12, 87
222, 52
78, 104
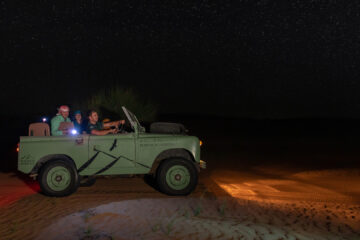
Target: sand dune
252, 204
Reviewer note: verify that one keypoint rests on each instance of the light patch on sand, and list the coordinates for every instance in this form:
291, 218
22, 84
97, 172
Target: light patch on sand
187, 218
237, 189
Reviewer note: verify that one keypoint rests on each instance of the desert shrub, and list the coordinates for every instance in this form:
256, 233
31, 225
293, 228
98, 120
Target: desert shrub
108, 103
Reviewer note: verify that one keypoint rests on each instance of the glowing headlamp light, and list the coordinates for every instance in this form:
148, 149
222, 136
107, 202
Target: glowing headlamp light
73, 132
44, 119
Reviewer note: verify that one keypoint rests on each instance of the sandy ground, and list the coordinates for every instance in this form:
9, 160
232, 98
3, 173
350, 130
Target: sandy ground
259, 203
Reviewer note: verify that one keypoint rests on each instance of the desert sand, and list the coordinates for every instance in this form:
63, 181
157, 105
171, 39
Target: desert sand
260, 203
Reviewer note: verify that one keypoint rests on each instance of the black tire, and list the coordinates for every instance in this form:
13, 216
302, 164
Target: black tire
171, 169
87, 181
61, 172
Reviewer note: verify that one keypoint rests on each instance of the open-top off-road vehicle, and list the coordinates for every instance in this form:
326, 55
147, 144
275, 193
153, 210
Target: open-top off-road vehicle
59, 163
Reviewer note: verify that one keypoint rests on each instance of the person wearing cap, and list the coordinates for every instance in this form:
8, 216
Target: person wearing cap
61, 116
79, 124
96, 127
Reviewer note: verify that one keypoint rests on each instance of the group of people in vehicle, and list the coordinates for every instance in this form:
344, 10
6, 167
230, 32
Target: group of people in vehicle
91, 126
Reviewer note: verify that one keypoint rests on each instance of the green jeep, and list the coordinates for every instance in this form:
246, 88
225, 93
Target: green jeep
60, 163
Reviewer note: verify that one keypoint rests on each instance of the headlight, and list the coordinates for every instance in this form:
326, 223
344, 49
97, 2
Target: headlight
74, 132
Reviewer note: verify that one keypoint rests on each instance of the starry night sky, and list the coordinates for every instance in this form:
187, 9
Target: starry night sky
252, 59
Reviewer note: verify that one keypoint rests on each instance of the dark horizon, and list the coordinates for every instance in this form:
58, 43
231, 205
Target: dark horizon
253, 59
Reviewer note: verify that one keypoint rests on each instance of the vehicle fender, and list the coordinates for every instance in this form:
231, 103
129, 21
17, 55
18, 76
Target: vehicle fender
49, 157
171, 153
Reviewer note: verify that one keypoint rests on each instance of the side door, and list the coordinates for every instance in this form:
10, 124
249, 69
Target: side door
74, 146
111, 154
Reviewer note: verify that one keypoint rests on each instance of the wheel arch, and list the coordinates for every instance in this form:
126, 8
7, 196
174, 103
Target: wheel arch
49, 157
170, 153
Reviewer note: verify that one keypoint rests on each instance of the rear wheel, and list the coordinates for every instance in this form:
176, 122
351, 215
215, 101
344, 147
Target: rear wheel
177, 176
58, 178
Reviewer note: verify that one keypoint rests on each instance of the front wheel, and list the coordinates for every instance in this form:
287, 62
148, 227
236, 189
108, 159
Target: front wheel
177, 176
58, 178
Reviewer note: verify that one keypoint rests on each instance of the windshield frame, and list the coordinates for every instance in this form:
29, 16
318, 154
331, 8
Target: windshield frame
135, 124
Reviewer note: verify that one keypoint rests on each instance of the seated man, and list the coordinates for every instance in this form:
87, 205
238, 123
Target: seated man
61, 116
97, 128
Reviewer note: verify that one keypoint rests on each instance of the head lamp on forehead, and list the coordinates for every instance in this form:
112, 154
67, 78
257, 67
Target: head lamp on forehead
63, 108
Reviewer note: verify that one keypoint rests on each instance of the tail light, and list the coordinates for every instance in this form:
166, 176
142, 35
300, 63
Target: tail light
18, 147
